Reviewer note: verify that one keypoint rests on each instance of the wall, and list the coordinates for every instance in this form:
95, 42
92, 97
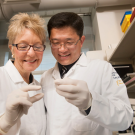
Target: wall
88, 44
5, 53
106, 25
4, 50
96, 30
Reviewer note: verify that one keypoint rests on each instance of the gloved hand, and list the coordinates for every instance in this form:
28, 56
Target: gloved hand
75, 92
17, 104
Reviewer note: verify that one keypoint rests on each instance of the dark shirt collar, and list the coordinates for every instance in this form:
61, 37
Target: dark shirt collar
31, 78
67, 67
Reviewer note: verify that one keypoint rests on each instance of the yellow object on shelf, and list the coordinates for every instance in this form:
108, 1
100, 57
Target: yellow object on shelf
127, 26
126, 23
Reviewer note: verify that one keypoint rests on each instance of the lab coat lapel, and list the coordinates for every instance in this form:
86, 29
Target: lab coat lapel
13, 72
56, 73
81, 62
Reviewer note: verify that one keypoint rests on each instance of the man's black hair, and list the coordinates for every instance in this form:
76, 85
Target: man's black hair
66, 19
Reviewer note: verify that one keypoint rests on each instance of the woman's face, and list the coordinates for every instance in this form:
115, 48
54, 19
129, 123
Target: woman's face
27, 61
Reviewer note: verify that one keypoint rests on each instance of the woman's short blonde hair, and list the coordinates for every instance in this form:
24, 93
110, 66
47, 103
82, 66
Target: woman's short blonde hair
21, 21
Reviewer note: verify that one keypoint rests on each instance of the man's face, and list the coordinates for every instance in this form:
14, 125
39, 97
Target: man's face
65, 55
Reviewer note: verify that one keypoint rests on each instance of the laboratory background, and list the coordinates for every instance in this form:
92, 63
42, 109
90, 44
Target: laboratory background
109, 28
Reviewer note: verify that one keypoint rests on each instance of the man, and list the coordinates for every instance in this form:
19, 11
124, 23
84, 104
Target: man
82, 96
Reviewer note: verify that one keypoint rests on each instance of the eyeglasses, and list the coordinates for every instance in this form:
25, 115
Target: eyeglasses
26, 47
69, 44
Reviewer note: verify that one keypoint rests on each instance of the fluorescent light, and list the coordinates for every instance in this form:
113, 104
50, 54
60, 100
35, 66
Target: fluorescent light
19, 1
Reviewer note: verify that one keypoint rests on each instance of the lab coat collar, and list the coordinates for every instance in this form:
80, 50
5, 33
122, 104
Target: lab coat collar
82, 61
56, 73
13, 72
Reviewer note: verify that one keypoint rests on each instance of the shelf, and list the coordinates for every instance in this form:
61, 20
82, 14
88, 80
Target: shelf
131, 88
126, 47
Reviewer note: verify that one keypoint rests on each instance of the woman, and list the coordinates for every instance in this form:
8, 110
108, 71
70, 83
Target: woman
19, 92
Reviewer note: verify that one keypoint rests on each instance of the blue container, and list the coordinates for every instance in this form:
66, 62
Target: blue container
126, 13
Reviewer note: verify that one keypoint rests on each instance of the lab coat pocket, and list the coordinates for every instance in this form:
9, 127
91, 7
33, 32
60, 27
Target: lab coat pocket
82, 123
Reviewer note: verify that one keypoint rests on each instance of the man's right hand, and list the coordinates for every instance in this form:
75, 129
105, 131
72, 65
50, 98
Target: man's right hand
17, 104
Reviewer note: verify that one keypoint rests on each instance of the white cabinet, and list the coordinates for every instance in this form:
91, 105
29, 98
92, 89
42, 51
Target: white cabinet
126, 47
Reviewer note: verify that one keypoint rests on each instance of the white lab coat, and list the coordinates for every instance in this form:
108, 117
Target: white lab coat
110, 108
34, 123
